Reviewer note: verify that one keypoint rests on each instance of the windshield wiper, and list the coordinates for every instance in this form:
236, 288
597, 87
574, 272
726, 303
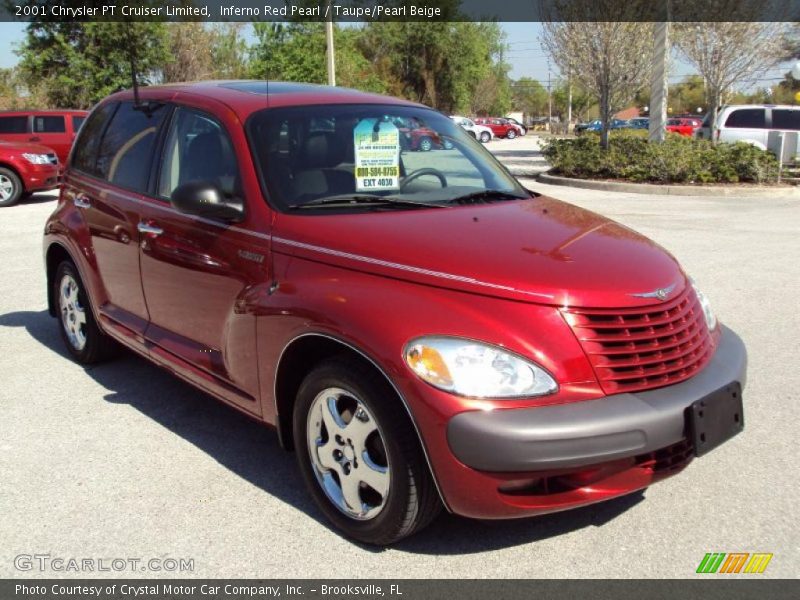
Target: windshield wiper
485, 196
363, 199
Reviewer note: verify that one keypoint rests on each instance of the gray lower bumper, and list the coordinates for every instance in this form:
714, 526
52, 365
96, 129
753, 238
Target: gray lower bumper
592, 431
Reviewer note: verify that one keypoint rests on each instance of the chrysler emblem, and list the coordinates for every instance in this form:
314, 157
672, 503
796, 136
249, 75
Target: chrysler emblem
660, 293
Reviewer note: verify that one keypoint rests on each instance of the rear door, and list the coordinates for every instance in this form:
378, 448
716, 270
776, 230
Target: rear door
51, 131
109, 175
14, 128
745, 124
196, 271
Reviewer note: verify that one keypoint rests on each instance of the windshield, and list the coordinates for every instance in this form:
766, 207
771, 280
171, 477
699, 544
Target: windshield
359, 157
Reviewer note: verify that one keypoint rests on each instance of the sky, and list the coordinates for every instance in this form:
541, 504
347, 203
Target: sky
525, 55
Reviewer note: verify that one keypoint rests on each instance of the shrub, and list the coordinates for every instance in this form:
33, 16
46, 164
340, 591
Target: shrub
678, 160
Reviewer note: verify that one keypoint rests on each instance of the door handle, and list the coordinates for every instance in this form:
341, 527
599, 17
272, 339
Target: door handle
149, 229
82, 202
35, 139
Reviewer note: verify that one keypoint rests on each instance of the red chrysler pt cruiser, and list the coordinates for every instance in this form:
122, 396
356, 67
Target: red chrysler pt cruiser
419, 328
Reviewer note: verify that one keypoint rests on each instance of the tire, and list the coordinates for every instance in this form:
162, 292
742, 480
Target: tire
447, 144
486, 137
511, 134
381, 446
83, 338
425, 144
11, 188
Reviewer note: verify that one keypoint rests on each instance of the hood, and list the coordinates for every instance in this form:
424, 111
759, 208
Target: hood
541, 250
20, 147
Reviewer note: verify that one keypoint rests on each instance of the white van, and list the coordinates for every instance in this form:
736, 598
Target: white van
751, 123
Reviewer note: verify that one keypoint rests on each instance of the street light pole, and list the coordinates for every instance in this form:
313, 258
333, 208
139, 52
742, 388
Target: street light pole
658, 84
329, 52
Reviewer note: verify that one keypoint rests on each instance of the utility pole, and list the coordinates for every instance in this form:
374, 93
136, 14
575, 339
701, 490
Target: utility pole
658, 83
549, 101
330, 57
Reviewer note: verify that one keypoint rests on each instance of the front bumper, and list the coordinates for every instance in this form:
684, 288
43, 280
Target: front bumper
569, 436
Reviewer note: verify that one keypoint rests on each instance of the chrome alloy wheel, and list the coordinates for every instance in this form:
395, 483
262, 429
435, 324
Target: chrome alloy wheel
73, 315
347, 454
6, 188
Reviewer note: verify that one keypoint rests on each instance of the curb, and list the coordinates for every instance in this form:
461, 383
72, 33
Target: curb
669, 190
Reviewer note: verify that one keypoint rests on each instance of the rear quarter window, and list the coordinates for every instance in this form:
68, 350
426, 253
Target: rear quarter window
85, 154
126, 150
747, 118
13, 124
786, 119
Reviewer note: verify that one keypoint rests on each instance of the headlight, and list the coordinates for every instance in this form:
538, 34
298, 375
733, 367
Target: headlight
711, 318
474, 369
36, 159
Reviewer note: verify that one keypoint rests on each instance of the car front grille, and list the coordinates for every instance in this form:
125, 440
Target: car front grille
646, 347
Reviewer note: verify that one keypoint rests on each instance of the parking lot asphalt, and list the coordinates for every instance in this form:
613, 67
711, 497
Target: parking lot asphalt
123, 460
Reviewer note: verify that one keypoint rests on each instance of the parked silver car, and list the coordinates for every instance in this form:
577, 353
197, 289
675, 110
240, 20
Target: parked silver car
750, 123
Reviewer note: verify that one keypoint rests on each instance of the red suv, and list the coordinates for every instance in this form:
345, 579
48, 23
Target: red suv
24, 169
55, 129
501, 127
683, 126
422, 330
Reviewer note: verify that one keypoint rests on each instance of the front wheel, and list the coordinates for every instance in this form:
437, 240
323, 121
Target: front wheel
425, 144
486, 137
11, 188
359, 455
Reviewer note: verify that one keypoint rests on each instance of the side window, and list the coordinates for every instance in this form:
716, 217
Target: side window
49, 124
13, 124
786, 119
198, 149
747, 118
85, 154
77, 123
126, 150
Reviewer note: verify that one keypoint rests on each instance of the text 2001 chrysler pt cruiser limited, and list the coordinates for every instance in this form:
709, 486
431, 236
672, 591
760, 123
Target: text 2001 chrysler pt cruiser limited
423, 331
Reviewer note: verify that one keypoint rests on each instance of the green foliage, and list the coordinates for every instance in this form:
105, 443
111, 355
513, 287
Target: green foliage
678, 160
77, 64
296, 52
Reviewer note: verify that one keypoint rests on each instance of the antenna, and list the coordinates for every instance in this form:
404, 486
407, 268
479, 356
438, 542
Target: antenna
132, 56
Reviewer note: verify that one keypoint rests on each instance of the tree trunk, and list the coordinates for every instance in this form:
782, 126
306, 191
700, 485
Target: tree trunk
605, 117
716, 98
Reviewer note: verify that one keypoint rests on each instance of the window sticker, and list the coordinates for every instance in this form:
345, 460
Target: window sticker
377, 153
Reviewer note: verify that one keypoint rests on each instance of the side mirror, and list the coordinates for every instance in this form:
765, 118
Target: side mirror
205, 199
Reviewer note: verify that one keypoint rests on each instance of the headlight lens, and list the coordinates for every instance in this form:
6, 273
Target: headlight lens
711, 318
36, 159
474, 369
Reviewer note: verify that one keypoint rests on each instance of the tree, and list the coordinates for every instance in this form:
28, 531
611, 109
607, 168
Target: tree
608, 57
76, 64
229, 51
729, 53
192, 57
454, 66
529, 96
582, 101
296, 52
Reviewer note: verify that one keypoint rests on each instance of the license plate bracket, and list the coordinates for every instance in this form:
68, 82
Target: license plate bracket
716, 418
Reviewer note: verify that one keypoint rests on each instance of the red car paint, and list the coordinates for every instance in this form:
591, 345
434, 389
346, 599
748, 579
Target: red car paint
55, 129
684, 127
34, 177
220, 305
500, 127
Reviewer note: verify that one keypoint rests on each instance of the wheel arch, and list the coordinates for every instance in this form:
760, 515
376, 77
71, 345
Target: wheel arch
298, 357
15, 171
55, 255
